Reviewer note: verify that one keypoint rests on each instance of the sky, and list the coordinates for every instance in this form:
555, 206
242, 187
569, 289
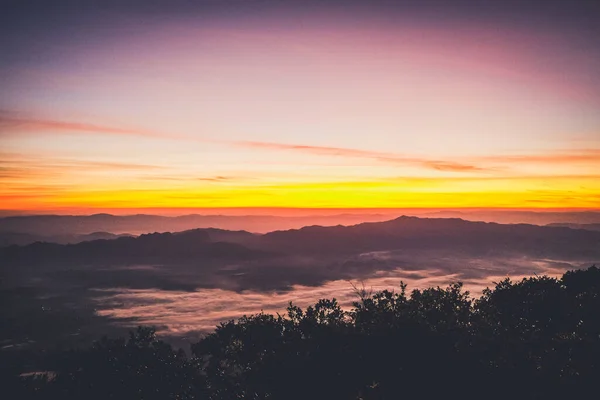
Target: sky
136, 105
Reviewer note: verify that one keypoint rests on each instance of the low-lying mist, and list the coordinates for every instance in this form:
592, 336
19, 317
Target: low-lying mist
187, 283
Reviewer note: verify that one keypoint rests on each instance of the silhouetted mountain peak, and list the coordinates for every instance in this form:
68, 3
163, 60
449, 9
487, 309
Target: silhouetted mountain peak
452, 234
405, 217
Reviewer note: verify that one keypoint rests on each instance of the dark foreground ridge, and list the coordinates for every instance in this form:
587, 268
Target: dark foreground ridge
534, 339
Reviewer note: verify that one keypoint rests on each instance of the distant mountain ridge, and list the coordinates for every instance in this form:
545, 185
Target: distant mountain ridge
589, 227
153, 247
60, 225
400, 234
22, 239
55, 228
438, 233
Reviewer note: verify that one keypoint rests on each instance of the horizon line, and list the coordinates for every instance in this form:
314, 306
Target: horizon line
275, 211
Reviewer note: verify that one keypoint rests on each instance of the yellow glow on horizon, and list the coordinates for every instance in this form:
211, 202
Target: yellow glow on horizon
550, 192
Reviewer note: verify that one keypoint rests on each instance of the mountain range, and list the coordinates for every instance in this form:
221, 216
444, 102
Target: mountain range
190, 275
589, 227
401, 234
68, 229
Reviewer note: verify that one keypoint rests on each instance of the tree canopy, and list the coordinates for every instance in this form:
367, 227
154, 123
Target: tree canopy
538, 338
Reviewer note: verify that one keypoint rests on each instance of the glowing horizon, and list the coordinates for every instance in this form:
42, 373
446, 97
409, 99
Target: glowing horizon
275, 109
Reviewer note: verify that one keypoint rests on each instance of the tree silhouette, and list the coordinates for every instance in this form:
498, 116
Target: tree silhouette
538, 338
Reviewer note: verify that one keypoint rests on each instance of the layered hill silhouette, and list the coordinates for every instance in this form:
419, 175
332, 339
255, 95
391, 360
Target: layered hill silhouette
59, 226
192, 244
22, 239
44, 282
67, 229
401, 234
589, 227
412, 233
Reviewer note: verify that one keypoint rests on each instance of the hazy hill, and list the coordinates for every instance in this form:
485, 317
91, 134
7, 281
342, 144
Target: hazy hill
68, 229
74, 280
589, 227
437, 233
22, 239
187, 245
405, 234
518, 217
57, 225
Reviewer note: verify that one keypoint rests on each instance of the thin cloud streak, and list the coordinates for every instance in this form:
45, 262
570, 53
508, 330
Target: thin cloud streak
454, 167
9, 125
28, 124
45, 168
479, 169
572, 156
389, 158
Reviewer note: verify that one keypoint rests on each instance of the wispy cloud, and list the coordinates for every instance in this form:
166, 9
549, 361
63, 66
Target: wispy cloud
454, 166
328, 151
384, 157
569, 156
215, 178
16, 169
8, 124
11, 123
58, 165
486, 163
190, 178
105, 165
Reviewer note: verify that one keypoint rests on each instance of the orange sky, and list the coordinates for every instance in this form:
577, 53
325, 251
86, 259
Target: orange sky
303, 112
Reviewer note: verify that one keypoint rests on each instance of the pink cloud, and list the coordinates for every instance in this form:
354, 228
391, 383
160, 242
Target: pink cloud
384, 157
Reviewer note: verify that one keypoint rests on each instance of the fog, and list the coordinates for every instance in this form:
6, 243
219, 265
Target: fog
187, 283
190, 314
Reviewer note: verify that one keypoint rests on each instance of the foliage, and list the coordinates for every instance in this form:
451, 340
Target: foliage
532, 339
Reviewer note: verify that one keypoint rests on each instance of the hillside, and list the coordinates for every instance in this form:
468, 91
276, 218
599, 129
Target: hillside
402, 234
167, 247
428, 234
